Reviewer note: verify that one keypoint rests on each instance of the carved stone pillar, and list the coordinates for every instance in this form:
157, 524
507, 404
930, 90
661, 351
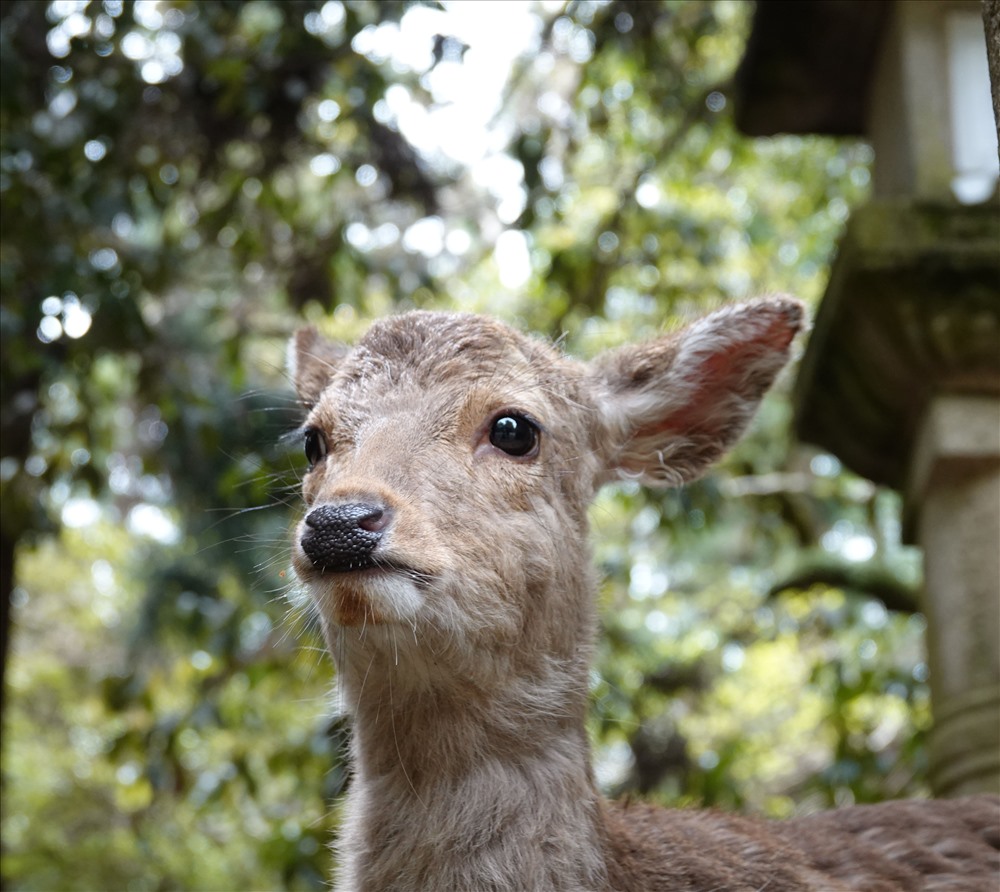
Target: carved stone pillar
954, 494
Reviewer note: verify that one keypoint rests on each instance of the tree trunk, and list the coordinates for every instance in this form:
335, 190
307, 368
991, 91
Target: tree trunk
991, 23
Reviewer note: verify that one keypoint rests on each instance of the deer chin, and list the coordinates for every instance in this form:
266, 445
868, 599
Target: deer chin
373, 597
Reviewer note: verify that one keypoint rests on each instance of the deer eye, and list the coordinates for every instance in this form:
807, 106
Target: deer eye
315, 446
514, 434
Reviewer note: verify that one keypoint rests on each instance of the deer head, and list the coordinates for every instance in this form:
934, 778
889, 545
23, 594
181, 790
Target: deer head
452, 459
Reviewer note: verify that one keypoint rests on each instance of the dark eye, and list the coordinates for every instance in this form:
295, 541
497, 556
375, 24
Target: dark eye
315, 444
514, 434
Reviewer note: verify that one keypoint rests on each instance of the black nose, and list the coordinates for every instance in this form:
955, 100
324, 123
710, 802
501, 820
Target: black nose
344, 537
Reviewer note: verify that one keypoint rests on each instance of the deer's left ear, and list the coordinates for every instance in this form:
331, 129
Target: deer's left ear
673, 406
311, 361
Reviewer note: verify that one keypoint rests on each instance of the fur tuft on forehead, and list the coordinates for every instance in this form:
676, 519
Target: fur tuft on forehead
431, 345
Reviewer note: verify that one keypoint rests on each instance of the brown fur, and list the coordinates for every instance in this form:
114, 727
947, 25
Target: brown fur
915, 846
463, 651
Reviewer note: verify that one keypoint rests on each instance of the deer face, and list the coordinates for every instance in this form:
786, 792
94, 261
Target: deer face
451, 463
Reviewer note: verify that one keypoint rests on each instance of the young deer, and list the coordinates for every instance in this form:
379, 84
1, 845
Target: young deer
445, 550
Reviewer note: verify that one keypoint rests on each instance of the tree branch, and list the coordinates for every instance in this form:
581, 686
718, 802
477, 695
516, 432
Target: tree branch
870, 578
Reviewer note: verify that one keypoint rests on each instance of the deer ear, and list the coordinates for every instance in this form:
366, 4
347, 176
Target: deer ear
311, 362
674, 405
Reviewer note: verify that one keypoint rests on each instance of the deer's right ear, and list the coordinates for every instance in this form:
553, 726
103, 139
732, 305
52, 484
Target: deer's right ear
311, 362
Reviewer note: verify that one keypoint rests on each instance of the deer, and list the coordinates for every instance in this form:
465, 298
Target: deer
445, 552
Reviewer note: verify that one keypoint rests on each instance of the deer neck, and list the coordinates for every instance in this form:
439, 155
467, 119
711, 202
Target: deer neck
462, 787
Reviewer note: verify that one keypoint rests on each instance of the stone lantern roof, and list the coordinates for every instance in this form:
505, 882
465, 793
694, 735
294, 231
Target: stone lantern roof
912, 309
808, 69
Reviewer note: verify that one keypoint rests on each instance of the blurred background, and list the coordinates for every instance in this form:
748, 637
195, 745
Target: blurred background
182, 185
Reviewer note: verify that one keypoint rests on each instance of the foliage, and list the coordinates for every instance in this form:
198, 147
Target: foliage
183, 182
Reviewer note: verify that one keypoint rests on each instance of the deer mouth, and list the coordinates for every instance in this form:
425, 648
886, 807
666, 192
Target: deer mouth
381, 592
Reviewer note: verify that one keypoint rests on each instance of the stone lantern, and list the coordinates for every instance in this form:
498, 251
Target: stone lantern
901, 378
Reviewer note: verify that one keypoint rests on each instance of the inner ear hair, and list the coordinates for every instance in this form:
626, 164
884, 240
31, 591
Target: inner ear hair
676, 404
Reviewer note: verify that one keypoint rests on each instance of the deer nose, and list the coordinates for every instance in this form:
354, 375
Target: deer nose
344, 537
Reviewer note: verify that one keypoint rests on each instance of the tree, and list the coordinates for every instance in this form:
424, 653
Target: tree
991, 24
